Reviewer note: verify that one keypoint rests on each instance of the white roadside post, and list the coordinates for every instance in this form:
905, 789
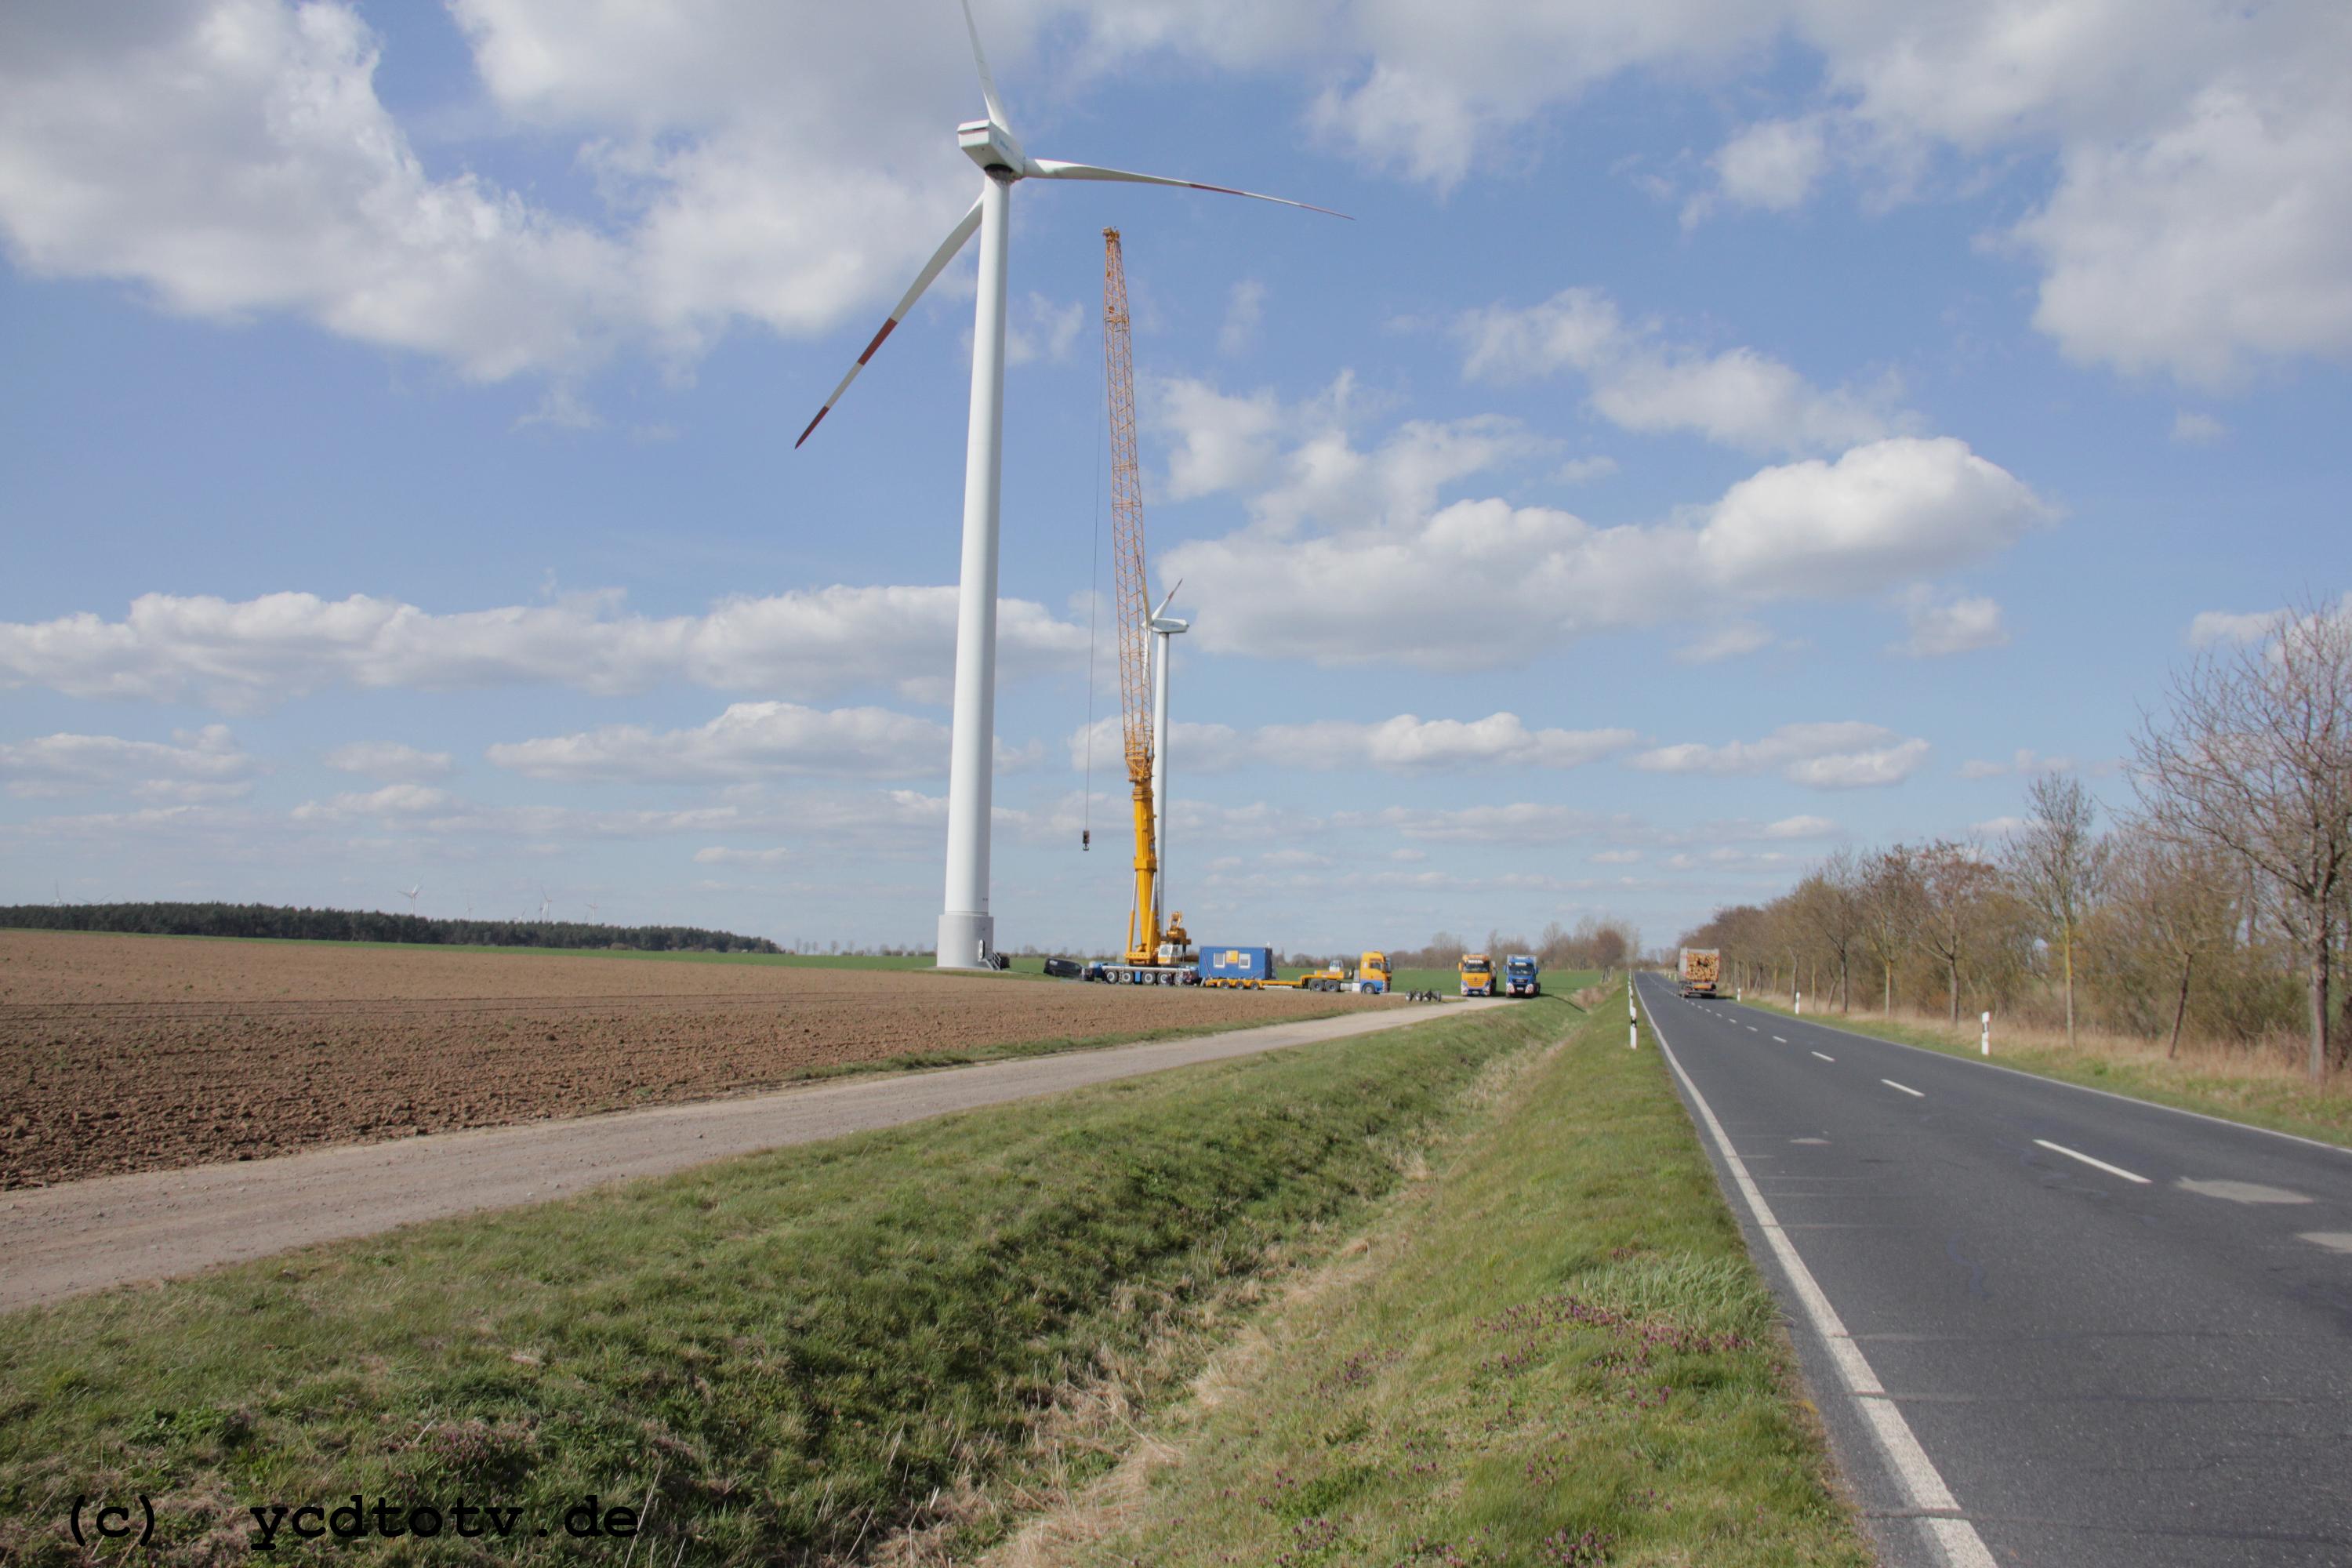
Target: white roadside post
1985, 1042
1801, 1004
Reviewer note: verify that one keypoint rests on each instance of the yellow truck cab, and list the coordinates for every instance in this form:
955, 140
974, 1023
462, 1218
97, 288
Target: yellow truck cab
1373, 974
1478, 974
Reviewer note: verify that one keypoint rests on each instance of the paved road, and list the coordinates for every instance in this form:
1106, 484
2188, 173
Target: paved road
2047, 1325
84, 1235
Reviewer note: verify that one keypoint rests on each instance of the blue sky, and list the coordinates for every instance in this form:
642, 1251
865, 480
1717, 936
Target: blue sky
1723, 433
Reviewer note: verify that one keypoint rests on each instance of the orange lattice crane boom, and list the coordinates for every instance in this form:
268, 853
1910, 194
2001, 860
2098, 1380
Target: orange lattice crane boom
1147, 942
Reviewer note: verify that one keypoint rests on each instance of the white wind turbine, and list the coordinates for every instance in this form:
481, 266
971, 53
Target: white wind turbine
967, 933
1165, 628
410, 894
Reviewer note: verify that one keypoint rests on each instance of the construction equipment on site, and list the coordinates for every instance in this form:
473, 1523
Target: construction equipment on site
1159, 952
1701, 970
1477, 972
967, 930
1522, 976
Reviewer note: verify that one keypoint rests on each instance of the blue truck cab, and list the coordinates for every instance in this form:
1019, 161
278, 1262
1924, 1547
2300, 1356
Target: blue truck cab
1520, 976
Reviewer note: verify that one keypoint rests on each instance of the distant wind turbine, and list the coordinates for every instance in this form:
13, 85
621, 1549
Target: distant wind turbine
967, 933
545, 903
410, 894
592, 911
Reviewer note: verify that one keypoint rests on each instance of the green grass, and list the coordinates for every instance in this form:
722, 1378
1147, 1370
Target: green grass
2260, 1096
792, 1355
1555, 1351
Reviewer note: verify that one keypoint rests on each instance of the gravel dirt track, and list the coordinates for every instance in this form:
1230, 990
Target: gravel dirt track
86, 1236
126, 1053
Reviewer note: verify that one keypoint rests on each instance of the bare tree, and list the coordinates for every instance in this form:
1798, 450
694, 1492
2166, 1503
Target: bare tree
2180, 899
2058, 863
1891, 907
1956, 884
2256, 761
1830, 901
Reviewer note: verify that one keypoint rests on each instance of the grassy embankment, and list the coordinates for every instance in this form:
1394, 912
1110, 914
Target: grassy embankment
2265, 1091
1554, 1350
1549, 1349
795, 1354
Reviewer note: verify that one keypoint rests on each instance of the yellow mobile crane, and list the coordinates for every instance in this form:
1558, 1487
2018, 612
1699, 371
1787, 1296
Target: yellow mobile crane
1156, 955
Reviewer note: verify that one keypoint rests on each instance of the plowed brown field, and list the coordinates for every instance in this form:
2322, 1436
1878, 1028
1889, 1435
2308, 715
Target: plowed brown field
125, 1053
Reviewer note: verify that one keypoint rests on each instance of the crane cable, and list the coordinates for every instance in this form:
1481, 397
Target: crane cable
1093, 605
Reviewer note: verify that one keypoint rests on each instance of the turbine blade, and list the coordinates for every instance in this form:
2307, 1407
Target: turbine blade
987, 82
1055, 169
931, 269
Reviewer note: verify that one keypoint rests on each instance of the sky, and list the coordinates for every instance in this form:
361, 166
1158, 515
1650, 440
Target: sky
1721, 432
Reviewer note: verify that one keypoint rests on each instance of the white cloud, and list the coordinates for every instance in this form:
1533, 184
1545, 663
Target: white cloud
1517, 581
1847, 755
1245, 308
247, 655
1800, 827
2213, 626
1772, 164
753, 165
2215, 239
719, 855
1038, 329
1405, 744
199, 765
1958, 626
1729, 640
748, 740
1527, 822
2190, 428
395, 800
390, 760
1577, 470
1615, 858
1640, 381
2024, 760
1228, 443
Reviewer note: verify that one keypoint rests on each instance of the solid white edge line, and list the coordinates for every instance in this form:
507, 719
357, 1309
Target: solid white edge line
2100, 1164
2087, 1088
1916, 1475
1914, 1093
1826, 1059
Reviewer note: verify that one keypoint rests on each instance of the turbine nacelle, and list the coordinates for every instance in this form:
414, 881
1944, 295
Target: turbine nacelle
996, 149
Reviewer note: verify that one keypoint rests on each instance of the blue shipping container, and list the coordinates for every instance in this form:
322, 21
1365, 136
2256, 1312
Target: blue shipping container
1236, 963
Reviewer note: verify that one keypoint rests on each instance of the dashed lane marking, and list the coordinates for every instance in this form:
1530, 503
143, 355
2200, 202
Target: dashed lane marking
2094, 1164
1914, 1093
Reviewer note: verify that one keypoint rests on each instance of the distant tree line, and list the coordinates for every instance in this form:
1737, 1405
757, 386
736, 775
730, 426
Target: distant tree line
368, 925
2222, 902
1601, 942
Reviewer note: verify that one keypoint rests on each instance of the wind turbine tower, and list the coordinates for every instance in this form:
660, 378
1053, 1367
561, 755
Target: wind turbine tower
410, 894
967, 930
1165, 627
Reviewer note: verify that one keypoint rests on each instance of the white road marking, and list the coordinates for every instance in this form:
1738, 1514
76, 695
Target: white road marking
2094, 1164
1916, 1094
2243, 1191
1752, 1029
2334, 1240
1825, 1058
1780, 1039
1914, 1473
